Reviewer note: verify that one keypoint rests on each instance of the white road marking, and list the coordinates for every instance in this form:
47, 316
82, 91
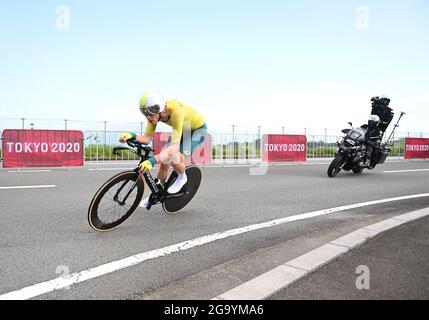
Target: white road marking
404, 171
28, 171
223, 166
111, 169
66, 281
262, 164
27, 187
267, 284
101, 162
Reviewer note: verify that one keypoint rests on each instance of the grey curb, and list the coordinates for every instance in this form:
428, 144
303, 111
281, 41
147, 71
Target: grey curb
267, 284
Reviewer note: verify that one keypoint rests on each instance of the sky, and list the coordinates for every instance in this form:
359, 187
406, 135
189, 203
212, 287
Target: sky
297, 64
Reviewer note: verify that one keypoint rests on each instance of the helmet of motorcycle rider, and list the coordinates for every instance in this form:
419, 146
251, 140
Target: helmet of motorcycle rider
373, 120
385, 100
152, 102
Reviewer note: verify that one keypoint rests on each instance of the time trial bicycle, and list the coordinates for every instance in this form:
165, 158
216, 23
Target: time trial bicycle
119, 197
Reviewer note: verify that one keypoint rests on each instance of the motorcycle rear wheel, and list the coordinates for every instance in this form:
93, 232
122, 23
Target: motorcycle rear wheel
357, 170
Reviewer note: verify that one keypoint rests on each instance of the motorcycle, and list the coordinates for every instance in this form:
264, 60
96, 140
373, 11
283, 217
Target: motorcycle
353, 150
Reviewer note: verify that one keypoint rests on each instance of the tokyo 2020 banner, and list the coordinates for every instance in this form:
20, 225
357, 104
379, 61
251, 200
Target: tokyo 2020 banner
416, 148
284, 148
42, 148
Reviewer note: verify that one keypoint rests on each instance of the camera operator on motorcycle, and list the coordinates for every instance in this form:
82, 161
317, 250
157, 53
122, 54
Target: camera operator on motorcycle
373, 138
362, 148
380, 107
381, 116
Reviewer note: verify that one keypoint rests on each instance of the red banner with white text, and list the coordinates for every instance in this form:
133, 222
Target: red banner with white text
284, 148
42, 148
416, 148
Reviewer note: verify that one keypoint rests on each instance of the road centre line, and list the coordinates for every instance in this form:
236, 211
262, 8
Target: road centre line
27, 187
66, 281
111, 169
405, 171
28, 171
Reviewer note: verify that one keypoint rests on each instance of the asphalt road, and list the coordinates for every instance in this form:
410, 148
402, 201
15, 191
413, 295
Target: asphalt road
44, 232
395, 263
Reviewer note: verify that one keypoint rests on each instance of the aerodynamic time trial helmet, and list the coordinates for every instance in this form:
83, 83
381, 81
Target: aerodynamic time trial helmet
152, 102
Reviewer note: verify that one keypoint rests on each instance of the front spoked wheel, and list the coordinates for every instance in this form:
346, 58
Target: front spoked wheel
115, 201
176, 202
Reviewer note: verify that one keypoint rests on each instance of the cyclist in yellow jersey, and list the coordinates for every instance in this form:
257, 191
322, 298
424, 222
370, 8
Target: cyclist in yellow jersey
189, 131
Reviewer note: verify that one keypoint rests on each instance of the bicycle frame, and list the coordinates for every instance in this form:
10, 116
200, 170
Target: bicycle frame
128, 189
159, 192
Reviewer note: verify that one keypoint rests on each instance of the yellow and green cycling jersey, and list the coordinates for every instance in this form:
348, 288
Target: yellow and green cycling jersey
181, 117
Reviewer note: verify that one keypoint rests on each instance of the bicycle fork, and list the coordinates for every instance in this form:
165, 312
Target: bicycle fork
116, 196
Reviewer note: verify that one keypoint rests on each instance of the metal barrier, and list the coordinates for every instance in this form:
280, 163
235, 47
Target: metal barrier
236, 148
226, 148
230, 144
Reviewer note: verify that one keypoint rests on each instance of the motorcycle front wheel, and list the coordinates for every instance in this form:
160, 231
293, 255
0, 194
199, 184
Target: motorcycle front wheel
335, 166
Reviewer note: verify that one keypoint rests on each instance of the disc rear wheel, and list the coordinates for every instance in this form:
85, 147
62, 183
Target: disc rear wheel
175, 203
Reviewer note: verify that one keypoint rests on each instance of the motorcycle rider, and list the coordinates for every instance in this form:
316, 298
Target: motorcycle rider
381, 116
373, 138
380, 107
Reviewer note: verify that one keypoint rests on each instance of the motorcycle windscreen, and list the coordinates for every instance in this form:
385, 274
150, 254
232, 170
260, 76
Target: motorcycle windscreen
357, 135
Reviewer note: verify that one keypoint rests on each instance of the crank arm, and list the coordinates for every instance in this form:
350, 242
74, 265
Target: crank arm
175, 195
